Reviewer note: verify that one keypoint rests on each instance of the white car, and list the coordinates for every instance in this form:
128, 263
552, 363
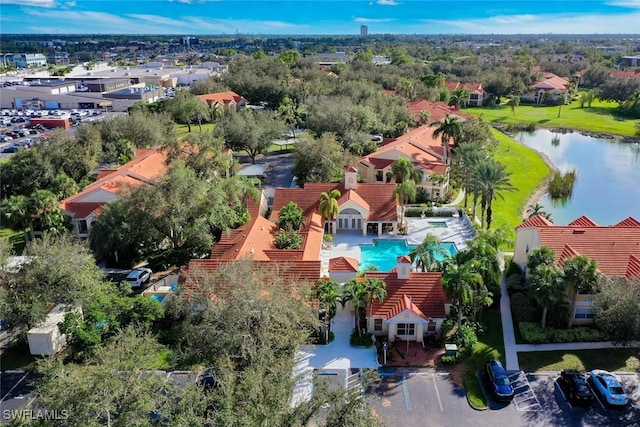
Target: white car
608, 386
138, 277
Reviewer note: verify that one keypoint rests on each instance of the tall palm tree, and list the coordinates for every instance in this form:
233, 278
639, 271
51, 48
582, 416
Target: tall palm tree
540, 256
329, 297
581, 275
402, 170
356, 292
449, 129
466, 157
460, 97
487, 262
460, 283
513, 101
406, 192
328, 206
426, 254
377, 289
490, 178
548, 288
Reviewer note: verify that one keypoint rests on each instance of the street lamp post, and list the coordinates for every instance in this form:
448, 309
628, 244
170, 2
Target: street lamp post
326, 333
384, 348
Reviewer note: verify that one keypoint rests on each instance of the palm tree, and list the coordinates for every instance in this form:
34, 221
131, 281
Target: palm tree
460, 97
487, 262
482, 299
356, 292
424, 117
328, 206
490, 178
406, 192
377, 289
402, 170
581, 275
290, 217
466, 157
538, 209
16, 212
329, 296
548, 288
426, 254
513, 101
460, 283
540, 256
449, 129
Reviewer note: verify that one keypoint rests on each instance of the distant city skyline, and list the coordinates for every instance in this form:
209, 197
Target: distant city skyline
317, 17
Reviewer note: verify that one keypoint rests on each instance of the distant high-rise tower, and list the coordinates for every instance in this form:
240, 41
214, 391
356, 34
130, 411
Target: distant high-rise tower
364, 30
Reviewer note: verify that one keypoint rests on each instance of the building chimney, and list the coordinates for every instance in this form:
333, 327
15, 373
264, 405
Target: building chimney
350, 178
404, 267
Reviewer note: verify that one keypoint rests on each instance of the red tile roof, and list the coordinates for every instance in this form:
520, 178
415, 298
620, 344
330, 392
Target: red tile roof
424, 289
418, 145
473, 87
552, 82
620, 74
380, 197
148, 165
616, 248
583, 221
343, 265
437, 110
223, 98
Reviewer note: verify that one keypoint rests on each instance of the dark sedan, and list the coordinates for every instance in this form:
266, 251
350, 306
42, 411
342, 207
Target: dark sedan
574, 386
499, 379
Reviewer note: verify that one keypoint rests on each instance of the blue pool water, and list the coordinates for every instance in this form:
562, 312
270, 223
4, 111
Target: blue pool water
384, 253
157, 297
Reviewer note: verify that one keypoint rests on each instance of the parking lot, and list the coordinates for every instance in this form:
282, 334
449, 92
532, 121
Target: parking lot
406, 397
16, 392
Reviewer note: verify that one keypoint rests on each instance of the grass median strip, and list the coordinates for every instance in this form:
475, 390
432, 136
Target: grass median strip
609, 359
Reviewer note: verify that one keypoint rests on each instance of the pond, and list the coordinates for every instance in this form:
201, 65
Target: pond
608, 186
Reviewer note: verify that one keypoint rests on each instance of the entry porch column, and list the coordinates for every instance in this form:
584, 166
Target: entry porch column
379, 229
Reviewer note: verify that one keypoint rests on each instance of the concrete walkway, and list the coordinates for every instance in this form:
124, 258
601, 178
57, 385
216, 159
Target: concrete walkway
457, 200
338, 356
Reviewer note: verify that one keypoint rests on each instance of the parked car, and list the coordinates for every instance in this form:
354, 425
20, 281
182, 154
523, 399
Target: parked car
11, 149
138, 277
207, 380
499, 379
574, 386
608, 386
5, 138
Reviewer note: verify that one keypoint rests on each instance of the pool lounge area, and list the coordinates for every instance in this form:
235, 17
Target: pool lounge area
455, 231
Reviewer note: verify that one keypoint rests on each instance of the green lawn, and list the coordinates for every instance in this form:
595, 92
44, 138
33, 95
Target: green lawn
527, 170
609, 359
183, 130
490, 346
16, 238
598, 118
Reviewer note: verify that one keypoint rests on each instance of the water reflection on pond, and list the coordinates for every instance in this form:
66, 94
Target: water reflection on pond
608, 186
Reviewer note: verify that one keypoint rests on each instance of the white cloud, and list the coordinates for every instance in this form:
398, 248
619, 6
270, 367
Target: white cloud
632, 4
32, 3
372, 20
625, 23
387, 3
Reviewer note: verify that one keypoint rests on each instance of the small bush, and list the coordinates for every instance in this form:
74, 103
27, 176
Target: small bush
288, 240
523, 309
328, 238
449, 360
512, 267
516, 282
360, 341
534, 334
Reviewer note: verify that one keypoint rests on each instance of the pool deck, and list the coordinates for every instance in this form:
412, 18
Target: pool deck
347, 243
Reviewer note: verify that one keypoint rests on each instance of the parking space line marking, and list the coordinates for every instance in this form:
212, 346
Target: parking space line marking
406, 393
438, 394
14, 386
521, 398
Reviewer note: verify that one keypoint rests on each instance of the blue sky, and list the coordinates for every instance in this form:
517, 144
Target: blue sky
319, 16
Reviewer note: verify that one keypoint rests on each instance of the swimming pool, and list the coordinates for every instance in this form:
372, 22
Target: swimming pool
384, 253
438, 224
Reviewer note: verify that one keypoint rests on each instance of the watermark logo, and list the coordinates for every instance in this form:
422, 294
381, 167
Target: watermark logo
35, 414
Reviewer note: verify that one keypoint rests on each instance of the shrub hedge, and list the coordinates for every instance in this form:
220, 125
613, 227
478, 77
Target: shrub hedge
534, 334
523, 309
